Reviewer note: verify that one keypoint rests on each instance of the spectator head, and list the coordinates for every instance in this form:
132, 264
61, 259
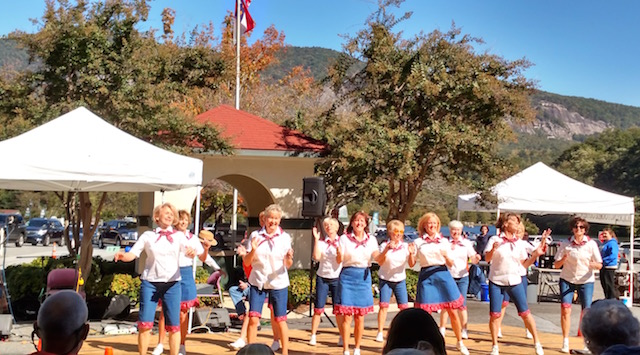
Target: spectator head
255, 349
484, 229
62, 323
607, 323
412, 327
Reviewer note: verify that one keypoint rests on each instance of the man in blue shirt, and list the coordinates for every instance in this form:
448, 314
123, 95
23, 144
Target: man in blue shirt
609, 253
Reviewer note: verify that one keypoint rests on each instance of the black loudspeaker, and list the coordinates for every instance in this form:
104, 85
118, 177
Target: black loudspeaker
314, 197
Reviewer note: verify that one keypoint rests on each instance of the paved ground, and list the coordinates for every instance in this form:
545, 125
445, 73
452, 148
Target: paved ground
546, 315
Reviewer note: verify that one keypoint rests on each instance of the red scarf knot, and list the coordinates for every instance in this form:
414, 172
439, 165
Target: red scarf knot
165, 233
358, 243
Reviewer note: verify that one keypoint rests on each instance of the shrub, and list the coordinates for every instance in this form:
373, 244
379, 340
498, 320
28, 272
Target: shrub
123, 284
299, 285
412, 284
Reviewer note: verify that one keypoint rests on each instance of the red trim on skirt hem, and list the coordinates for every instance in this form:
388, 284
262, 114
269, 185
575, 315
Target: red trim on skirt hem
432, 307
318, 311
565, 305
384, 305
145, 325
505, 303
495, 314
403, 306
185, 305
351, 310
255, 314
280, 319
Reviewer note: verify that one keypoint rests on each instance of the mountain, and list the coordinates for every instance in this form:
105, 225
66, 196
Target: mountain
565, 118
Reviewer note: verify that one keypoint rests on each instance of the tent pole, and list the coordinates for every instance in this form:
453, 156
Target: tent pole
196, 227
631, 264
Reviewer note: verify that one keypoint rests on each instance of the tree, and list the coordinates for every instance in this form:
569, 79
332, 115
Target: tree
93, 54
420, 108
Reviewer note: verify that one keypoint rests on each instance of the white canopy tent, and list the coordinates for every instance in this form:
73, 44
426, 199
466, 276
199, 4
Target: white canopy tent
541, 190
81, 152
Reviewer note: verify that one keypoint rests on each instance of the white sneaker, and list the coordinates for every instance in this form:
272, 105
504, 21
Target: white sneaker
312, 341
565, 346
499, 332
495, 350
529, 335
443, 330
275, 346
182, 350
158, 350
346, 352
464, 334
238, 344
340, 342
356, 351
463, 349
539, 350
379, 337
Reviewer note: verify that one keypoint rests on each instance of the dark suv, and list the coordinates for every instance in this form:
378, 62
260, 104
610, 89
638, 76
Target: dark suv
118, 232
13, 224
45, 231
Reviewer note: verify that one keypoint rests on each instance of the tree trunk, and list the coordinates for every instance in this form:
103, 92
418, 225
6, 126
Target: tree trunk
86, 248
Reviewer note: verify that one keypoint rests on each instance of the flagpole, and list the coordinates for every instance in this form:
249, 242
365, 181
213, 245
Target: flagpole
234, 215
238, 35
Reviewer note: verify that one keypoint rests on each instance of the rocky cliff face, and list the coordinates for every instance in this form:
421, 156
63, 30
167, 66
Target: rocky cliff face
558, 122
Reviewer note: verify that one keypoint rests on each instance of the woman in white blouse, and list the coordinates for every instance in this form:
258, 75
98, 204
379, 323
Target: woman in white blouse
356, 251
437, 290
507, 254
578, 257
394, 256
324, 252
461, 253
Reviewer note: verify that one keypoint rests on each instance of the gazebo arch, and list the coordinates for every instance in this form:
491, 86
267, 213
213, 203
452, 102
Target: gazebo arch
267, 167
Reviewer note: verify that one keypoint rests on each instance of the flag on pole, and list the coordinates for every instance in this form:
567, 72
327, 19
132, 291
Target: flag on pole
246, 22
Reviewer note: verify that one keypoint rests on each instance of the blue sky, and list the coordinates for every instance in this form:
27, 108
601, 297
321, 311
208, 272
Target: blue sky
584, 48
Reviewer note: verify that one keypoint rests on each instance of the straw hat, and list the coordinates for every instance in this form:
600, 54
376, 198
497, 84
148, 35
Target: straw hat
208, 236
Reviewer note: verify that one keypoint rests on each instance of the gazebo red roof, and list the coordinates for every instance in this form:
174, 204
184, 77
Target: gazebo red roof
247, 131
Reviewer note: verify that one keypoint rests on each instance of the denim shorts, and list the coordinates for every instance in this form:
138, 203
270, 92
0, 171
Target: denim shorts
506, 300
323, 287
169, 293
463, 286
277, 301
585, 293
397, 288
517, 293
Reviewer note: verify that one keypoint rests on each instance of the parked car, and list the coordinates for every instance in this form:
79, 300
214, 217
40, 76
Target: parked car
13, 224
118, 232
625, 250
45, 231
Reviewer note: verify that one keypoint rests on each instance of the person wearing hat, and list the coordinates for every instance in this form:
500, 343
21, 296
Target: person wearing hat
62, 323
189, 296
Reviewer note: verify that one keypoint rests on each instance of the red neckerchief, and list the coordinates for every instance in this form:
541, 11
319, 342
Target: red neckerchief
269, 238
189, 235
456, 242
506, 240
585, 239
331, 243
358, 243
165, 233
436, 240
399, 247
